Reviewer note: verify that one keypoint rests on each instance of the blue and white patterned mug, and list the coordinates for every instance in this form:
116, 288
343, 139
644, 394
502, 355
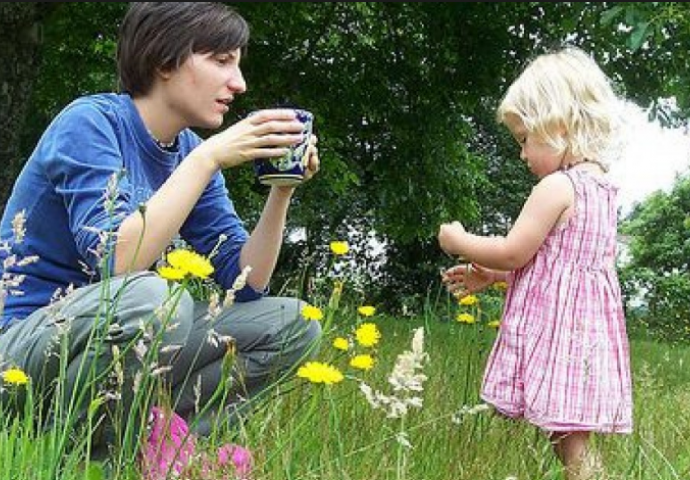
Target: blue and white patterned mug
289, 169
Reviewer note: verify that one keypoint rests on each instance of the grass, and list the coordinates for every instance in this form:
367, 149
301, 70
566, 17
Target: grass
309, 431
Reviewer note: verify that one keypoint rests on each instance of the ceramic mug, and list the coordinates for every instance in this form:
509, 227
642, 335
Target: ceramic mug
289, 169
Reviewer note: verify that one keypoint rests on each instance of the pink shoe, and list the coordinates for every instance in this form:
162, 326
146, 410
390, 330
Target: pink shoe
232, 463
170, 447
240, 457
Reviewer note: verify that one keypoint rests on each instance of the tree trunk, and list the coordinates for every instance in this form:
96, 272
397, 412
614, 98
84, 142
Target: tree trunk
20, 37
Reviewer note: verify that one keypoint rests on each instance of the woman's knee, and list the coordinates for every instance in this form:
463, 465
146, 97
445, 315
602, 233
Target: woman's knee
151, 300
301, 332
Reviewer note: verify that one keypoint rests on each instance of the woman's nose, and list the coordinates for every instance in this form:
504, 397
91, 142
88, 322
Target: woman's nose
236, 83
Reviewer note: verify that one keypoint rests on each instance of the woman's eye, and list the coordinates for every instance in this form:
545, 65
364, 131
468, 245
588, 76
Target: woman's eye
225, 58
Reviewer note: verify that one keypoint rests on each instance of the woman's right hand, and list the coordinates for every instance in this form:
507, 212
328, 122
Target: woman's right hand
264, 134
467, 278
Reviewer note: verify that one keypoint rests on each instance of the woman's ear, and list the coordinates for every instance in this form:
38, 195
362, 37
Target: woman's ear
163, 73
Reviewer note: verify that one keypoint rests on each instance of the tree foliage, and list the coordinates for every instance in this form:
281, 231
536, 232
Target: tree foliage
403, 93
658, 272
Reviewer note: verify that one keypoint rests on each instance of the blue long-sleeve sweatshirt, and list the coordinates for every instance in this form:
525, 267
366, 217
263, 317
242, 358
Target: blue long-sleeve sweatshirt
63, 194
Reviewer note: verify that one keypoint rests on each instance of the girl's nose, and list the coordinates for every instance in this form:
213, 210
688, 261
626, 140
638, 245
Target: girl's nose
523, 155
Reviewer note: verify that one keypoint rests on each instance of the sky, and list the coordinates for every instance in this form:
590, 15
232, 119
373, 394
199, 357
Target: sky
654, 157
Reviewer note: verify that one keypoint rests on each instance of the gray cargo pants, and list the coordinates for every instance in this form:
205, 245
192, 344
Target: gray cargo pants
270, 338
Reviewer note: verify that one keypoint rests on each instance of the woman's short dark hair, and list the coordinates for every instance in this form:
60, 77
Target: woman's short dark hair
162, 35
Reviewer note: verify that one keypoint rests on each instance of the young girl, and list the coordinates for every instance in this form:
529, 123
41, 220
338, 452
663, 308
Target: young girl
561, 358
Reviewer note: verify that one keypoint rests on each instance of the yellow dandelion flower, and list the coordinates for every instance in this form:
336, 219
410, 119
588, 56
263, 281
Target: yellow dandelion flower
170, 273
363, 362
339, 248
341, 344
501, 285
468, 300
15, 376
190, 262
366, 310
367, 334
318, 372
494, 323
310, 312
465, 318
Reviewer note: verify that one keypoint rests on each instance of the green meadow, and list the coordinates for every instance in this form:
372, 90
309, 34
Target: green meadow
305, 429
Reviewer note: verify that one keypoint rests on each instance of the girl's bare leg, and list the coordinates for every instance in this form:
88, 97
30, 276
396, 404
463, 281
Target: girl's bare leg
572, 449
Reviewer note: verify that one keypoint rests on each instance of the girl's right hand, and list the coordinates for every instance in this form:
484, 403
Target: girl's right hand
264, 134
467, 278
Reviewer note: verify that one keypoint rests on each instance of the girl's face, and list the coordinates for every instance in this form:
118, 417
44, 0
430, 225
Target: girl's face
201, 90
541, 158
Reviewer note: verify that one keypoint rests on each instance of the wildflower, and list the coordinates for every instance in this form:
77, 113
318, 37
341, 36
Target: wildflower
339, 248
468, 300
501, 285
170, 273
368, 334
465, 318
310, 312
318, 372
494, 323
183, 263
190, 262
362, 362
366, 310
341, 344
15, 376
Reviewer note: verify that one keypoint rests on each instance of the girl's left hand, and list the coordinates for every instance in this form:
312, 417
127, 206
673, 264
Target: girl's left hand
467, 278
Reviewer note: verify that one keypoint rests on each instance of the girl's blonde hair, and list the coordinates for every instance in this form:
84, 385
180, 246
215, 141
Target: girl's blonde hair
567, 101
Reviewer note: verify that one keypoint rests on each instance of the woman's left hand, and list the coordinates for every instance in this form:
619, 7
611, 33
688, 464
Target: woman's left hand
313, 162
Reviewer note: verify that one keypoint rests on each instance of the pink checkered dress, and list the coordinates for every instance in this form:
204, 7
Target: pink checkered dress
561, 358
